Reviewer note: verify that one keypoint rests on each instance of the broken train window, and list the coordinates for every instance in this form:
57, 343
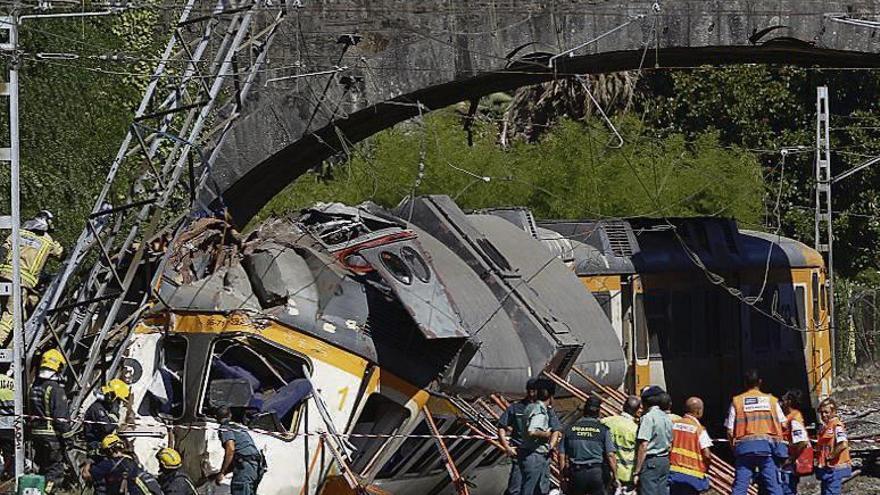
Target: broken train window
264, 385
164, 398
380, 416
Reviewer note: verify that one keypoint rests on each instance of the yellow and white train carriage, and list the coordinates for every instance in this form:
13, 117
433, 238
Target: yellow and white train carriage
328, 334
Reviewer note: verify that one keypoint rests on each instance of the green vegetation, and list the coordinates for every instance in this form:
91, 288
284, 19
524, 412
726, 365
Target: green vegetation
74, 117
572, 172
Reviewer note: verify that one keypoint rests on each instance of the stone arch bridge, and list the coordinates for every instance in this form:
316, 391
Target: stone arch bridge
427, 54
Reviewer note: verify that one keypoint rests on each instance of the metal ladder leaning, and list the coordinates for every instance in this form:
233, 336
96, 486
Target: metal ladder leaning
10, 155
196, 93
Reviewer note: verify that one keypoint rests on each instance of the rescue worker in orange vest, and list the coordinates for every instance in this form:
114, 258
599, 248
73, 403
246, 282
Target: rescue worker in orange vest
834, 461
754, 428
800, 457
691, 452
36, 246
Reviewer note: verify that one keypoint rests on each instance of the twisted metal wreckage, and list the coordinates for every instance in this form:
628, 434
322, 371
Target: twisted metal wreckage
342, 335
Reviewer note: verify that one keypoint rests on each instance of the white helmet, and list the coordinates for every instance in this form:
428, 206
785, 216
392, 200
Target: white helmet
42, 222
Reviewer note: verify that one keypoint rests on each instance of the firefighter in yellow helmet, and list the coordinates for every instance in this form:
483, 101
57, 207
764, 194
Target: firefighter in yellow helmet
35, 248
102, 417
50, 422
119, 472
172, 479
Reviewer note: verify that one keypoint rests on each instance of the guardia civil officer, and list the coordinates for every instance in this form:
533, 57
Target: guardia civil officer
539, 440
588, 453
653, 443
50, 428
242, 458
510, 434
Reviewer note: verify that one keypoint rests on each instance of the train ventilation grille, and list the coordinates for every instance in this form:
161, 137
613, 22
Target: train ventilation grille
618, 238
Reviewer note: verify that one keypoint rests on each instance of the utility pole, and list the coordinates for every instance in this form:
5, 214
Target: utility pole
824, 237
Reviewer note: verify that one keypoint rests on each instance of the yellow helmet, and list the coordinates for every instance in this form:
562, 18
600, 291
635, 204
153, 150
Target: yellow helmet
53, 360
110, 440
118, 388
168, 458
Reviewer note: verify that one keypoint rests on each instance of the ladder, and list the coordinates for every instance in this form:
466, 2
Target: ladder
12, 289
195, 95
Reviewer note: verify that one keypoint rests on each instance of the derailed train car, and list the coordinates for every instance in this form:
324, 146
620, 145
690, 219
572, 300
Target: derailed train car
696, 301
331, 332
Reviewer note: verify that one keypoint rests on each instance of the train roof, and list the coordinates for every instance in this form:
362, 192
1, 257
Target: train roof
646, 245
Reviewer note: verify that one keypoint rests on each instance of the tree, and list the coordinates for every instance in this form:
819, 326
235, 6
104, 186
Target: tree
572, 172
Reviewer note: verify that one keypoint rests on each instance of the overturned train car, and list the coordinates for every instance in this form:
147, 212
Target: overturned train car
331, 332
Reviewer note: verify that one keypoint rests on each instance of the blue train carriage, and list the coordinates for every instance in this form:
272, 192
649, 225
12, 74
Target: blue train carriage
696, 301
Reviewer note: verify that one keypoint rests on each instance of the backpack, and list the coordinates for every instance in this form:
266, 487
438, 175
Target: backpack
803, 465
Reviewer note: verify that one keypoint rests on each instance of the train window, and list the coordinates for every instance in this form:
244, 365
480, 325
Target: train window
428, 451
604, 300
380, 416
641, 328
800, 301
164, 398
766, 330
657, 316
249, 374
823, 299
682, 331
815, 288
407, 450
397, 267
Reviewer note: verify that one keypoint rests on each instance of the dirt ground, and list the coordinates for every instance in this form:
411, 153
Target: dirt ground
858, 398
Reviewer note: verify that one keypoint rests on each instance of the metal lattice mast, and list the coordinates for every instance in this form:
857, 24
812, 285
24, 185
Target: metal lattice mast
192, 100
824, 238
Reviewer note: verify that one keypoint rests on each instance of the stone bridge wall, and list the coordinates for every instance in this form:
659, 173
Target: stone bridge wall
440, 52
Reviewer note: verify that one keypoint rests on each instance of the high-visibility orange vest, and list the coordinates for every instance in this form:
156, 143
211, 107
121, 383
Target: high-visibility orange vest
756, 417
686, 456
826, 443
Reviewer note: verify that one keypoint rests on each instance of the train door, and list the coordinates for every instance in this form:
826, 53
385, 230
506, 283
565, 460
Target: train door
627, 321
640, 361
819, 337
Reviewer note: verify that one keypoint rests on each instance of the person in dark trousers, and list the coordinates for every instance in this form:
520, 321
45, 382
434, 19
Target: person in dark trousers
102, 417
118, 472
800, 454
539, 440
588, 453
653, 441
755, 430
510, 436
50, 427
171, 478
241, 457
